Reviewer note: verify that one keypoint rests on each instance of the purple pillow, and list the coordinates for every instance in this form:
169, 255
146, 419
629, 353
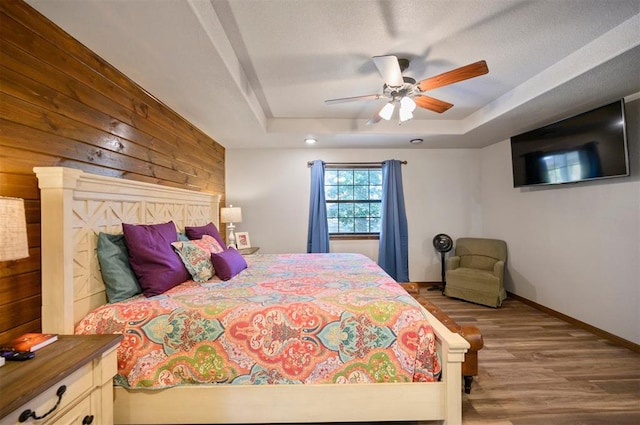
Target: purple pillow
152, 258
210, 229
228, 263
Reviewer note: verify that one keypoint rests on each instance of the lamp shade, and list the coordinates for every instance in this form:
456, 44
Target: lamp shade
13, 230
231, 214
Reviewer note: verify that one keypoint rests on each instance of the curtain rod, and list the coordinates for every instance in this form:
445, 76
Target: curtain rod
310, 163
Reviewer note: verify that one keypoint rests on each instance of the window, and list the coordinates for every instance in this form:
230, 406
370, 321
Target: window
353, 196
563, 167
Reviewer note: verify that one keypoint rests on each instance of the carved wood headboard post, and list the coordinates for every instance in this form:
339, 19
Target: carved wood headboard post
56, 200
75, 207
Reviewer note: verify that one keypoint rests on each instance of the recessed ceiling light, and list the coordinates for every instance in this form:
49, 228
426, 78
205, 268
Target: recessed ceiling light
310, 141
416, 141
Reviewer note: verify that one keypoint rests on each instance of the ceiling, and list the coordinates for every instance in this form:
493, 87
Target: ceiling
255, 73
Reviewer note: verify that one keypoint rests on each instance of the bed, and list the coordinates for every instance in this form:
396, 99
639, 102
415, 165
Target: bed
76, 206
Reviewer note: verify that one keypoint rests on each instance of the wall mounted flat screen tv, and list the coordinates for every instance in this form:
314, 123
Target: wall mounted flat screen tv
589, 146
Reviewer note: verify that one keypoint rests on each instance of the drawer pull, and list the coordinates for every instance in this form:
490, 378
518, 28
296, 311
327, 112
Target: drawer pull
88, 420
24, 416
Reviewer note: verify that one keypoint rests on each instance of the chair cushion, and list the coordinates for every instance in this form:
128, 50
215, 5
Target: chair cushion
493, 248
477, 280
480, 262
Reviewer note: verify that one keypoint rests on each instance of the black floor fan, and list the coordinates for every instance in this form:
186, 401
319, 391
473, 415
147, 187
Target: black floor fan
443, 244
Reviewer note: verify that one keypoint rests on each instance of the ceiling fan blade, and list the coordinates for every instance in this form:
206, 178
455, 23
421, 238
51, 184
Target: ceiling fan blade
459, 74
389, 68
376, 118
432, 103
353, 99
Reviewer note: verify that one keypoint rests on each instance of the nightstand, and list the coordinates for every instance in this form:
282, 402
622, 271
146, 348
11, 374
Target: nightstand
68, 381
249, 251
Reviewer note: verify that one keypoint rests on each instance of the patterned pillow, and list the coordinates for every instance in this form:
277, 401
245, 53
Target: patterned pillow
196, 256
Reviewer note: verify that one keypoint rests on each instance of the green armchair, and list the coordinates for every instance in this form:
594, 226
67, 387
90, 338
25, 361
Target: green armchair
476, 272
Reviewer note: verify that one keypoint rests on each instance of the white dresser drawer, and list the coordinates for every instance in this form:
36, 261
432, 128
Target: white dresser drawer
79, 414
78, 384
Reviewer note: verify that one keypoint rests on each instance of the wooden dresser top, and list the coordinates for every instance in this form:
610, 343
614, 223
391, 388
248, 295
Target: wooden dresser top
21, 381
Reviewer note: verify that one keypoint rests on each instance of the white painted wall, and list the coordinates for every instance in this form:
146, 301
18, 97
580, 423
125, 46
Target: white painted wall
573, 248
442, 195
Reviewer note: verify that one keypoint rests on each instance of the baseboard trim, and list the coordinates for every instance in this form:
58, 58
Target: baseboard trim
428, 284
597, 331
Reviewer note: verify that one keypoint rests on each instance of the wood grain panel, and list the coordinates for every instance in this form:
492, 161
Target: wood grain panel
19, 185
25, 265
63, 105
15, 160
13, 333
19, 287
21, 311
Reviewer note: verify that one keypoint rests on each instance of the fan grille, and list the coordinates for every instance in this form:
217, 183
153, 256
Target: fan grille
442, 242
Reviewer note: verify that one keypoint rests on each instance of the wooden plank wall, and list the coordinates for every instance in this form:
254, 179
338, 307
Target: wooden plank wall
62, 105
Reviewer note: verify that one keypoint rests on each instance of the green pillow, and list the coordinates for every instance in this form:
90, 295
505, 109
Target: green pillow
119, 280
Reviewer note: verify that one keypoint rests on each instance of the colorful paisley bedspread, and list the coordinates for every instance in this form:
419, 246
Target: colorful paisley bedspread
286, 319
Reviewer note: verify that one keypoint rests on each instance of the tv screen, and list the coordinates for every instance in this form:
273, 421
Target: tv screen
588, 146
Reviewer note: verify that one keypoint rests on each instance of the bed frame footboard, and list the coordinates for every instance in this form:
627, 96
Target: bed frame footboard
438, 401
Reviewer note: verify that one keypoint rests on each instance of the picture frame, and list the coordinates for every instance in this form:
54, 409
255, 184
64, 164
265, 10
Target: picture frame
242, 240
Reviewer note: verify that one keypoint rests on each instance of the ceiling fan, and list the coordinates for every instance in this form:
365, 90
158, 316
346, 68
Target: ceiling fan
408, 93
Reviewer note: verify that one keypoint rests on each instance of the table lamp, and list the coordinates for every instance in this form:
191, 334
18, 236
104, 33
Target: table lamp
230, 215
14, 244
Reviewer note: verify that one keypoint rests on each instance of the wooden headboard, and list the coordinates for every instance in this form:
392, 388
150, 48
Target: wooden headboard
75, 207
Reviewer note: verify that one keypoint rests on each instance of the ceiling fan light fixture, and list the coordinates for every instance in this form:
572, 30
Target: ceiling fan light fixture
387, 111
405, 115
407, 104
310, 141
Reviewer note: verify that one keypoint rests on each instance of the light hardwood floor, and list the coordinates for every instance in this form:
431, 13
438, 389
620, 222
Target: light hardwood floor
537, 369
